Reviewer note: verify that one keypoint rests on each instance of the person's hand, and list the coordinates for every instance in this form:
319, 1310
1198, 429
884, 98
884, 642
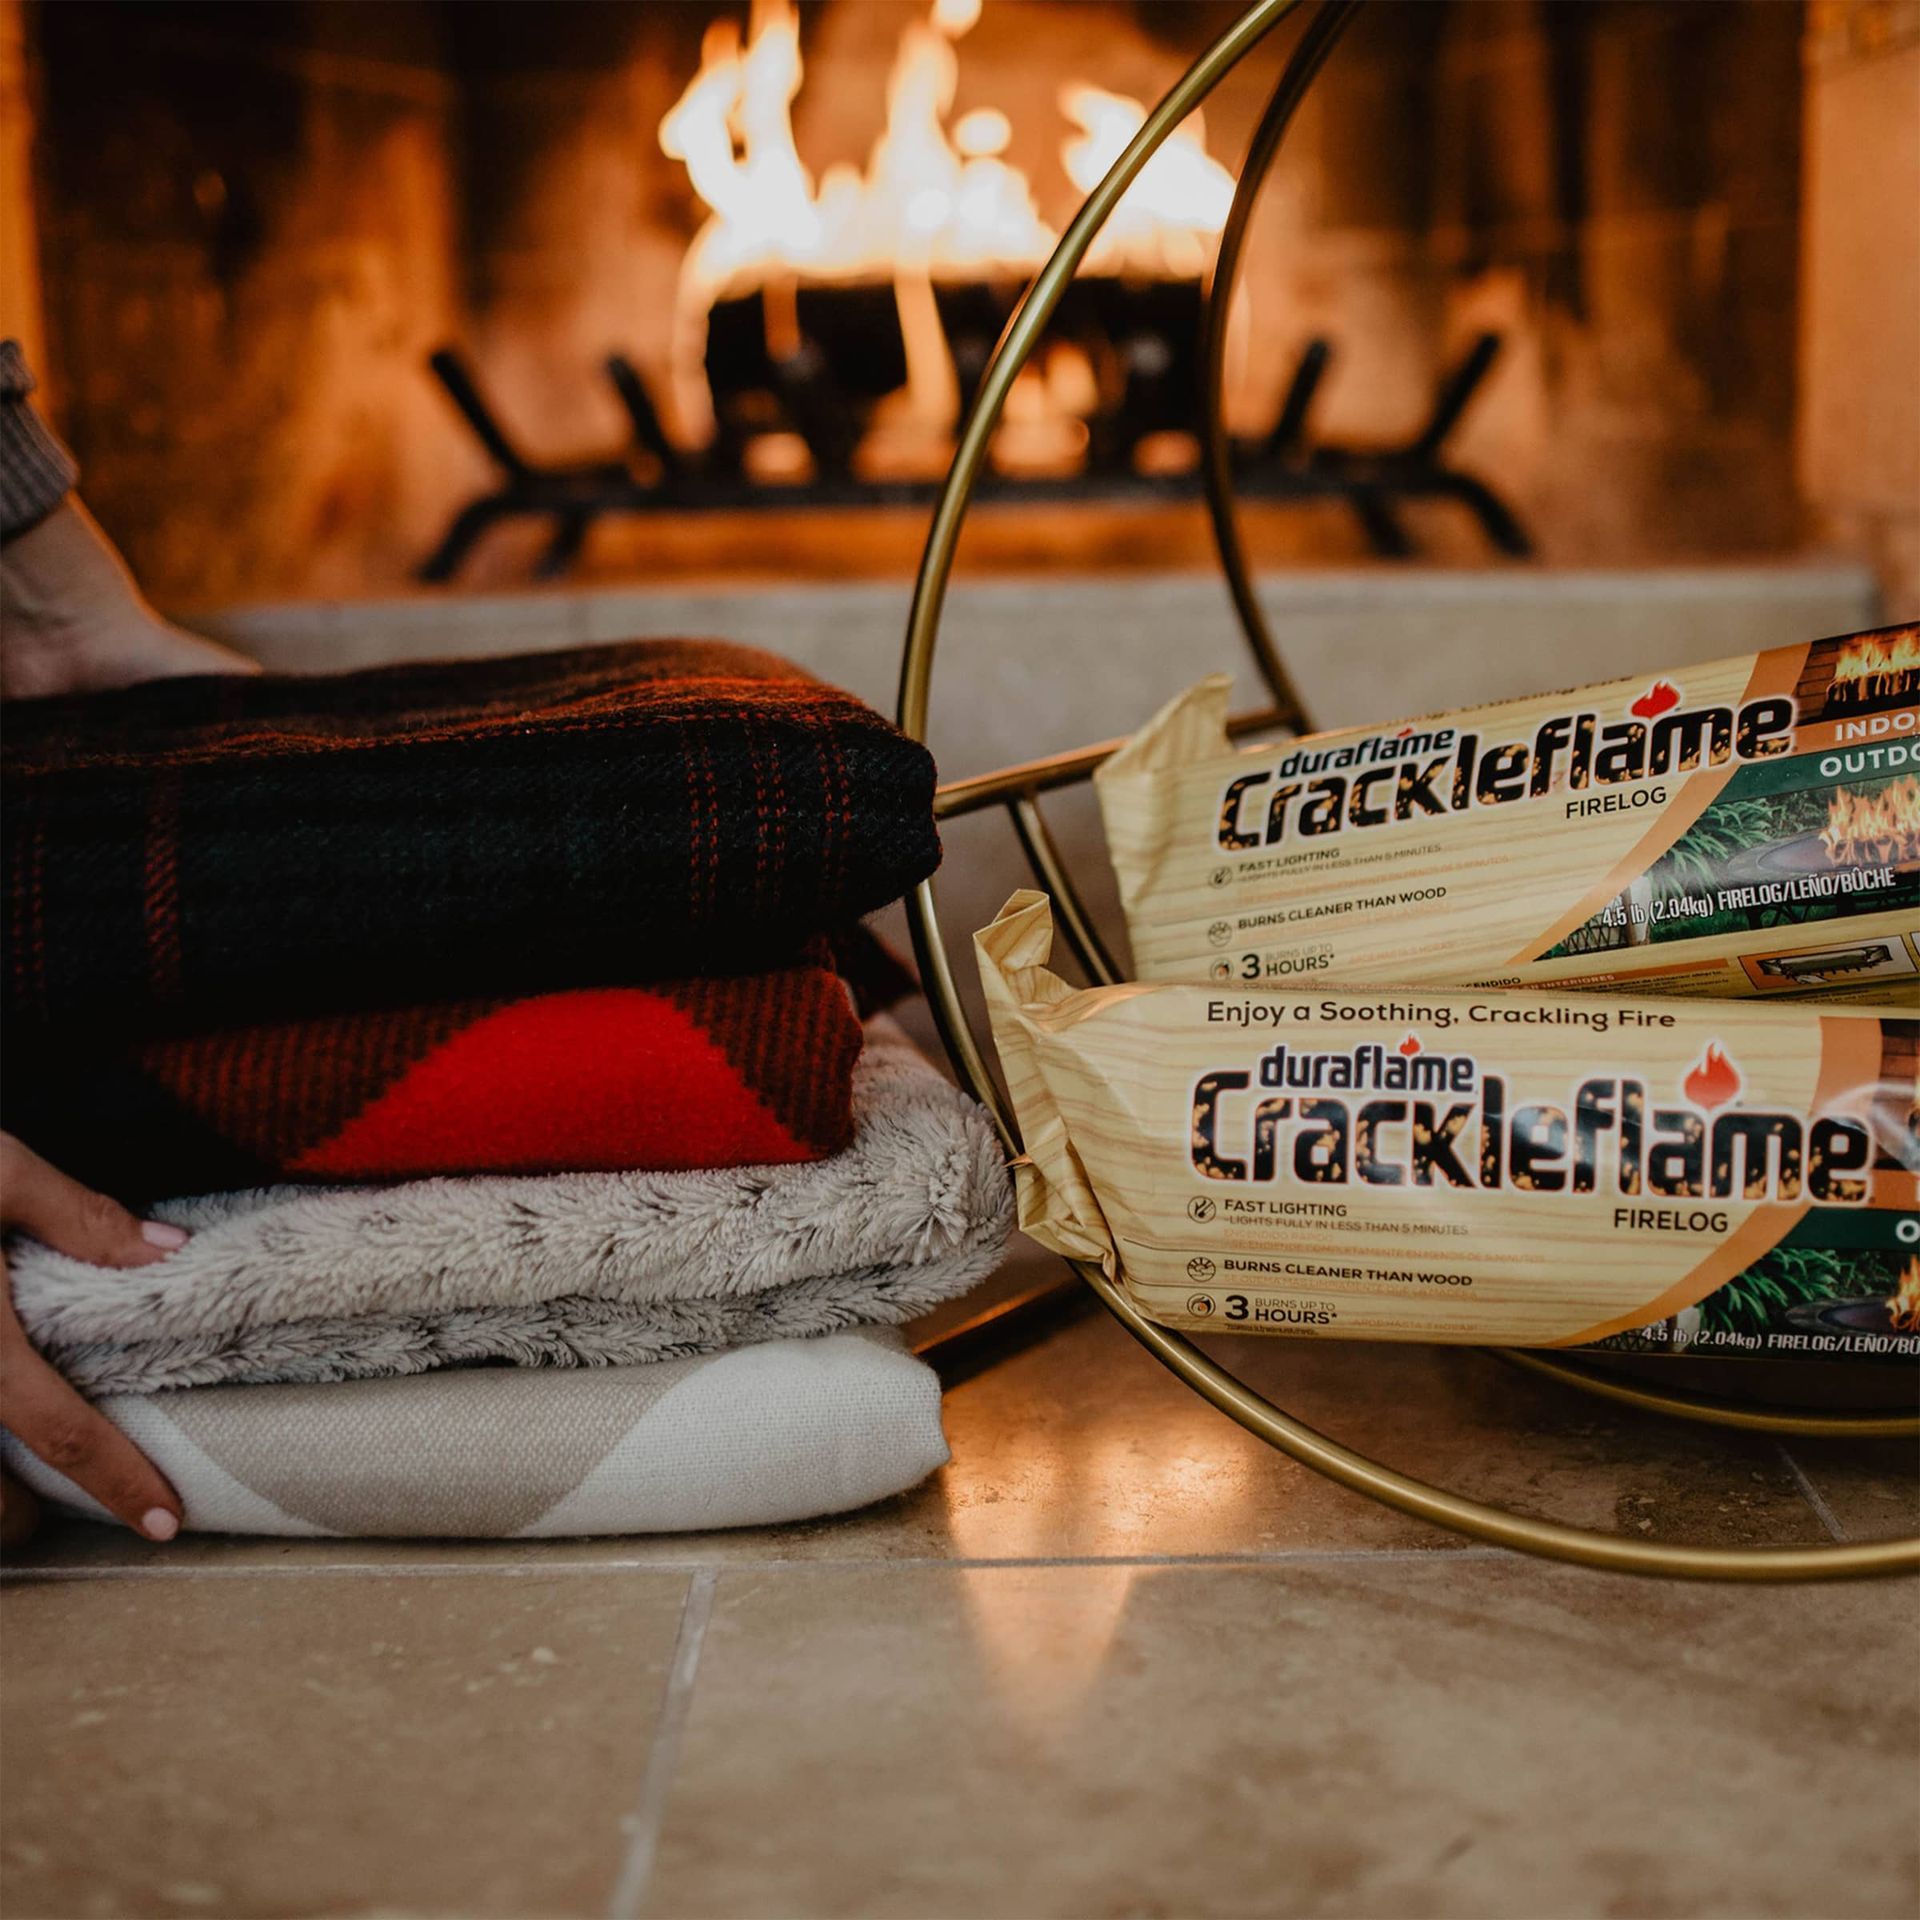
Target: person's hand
76, 621
37, 1406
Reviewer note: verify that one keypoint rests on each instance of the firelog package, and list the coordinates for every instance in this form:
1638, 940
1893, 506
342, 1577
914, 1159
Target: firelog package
1745, 827
1514, 1168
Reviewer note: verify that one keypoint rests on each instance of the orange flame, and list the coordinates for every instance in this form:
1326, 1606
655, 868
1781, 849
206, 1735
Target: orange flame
1883, 660
1657, 699
1875, 829
935, 201
1714, 1081
1167, 221
1903, 1304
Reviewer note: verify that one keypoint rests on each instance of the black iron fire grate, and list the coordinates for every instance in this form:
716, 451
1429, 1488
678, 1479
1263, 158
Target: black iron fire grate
1141, 341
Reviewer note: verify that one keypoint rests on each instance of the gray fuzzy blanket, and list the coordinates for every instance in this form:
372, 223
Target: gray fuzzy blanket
563, 1270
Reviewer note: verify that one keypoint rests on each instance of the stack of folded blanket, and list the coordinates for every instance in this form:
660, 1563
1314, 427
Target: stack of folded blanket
495, 1017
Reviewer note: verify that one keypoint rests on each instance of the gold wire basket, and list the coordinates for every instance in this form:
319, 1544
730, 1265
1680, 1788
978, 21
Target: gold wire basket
1018, 790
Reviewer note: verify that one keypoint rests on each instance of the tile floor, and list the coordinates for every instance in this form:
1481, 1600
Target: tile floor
1116, 1660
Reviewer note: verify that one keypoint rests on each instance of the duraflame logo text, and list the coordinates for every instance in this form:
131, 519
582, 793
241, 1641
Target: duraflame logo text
1333, 1119
1391, 779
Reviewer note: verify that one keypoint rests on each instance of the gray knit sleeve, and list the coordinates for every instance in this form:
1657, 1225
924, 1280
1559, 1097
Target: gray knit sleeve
36, 471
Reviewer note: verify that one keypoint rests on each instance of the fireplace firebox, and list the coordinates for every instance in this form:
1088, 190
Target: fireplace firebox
328, 292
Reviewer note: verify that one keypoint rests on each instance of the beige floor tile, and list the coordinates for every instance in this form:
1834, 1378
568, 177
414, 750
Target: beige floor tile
1869, 1492
1470, 1421
1429, 1737
327, 1745
1083, 1446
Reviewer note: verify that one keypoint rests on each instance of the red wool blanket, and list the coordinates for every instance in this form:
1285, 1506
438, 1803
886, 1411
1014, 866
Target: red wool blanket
677, 1074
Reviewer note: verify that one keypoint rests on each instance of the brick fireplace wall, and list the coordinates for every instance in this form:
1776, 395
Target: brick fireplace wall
255, 221
1859, 441
1617, 185
247, 239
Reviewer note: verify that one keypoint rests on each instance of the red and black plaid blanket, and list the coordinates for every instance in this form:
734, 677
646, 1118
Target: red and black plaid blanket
220, 849
694, 1073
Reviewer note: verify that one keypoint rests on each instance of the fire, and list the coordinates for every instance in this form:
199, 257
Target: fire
1903, 1304
1882, 661
1167, 221
1875, 829
984, 132
935, 201
1714, 1081
764, 208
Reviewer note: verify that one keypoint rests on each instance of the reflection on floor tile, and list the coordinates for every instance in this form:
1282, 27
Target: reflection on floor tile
1085, 1446
327, 1745
1472, 1422
1431, 1736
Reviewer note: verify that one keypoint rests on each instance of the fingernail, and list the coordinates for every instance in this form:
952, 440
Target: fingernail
156, 1233
158, 1524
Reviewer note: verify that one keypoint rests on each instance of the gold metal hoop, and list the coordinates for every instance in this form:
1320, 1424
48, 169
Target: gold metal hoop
1018, 791
1216, 443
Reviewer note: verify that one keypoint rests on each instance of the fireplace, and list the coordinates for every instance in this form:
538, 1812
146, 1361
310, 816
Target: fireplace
829, 331
709, 285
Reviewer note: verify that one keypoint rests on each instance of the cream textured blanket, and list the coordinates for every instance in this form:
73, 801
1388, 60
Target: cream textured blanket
565, 1270
778, 1432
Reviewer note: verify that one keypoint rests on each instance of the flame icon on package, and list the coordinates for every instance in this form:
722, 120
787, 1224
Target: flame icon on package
1659, 698
1409, 1047
1714, 1081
